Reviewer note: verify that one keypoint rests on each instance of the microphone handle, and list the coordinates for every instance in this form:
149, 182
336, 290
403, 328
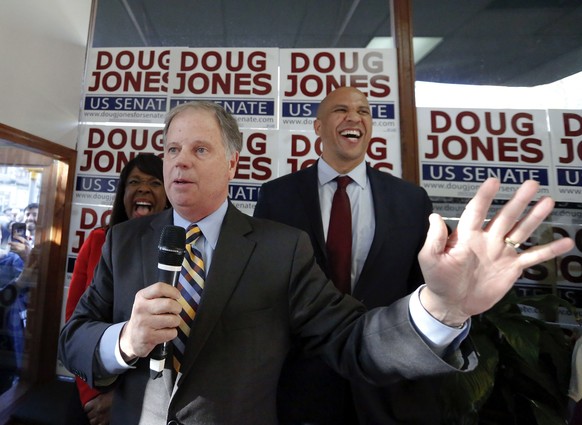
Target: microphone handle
167, 274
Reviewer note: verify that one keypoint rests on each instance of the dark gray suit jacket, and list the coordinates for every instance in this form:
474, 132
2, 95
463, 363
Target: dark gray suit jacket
263, 289
310, 392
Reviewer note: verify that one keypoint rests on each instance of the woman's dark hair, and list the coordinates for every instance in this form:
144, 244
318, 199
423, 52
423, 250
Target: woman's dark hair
145, 162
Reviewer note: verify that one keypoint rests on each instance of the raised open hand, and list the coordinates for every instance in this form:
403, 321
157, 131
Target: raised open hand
469, 271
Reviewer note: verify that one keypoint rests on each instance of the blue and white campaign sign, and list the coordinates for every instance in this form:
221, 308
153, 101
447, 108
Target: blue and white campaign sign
126, 85
459, 149
243, 81
566, 135
308, 75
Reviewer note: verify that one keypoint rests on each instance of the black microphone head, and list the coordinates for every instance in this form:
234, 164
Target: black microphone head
172, 245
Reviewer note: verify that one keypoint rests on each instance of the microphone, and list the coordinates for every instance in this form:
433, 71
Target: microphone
170, 256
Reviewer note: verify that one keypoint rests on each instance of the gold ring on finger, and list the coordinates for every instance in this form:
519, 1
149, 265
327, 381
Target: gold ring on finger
511, 243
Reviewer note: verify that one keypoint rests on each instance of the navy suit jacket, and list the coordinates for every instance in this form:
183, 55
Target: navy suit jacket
310, 392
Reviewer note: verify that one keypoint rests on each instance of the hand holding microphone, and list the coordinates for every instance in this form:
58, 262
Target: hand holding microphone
171, 250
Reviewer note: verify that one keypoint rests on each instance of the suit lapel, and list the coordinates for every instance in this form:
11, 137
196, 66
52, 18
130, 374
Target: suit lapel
149, 248
381, 199
309, 195
221, 281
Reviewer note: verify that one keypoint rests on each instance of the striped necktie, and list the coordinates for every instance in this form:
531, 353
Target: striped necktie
191, 285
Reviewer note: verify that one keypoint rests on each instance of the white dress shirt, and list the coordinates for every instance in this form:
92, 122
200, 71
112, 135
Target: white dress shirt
362, 207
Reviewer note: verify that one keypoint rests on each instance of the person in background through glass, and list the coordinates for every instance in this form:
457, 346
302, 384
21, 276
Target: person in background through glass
30, 218
140, 192
22, 245
11, 266
13, 213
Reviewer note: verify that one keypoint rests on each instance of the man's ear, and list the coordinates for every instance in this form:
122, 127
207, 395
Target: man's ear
232, 163
317, 126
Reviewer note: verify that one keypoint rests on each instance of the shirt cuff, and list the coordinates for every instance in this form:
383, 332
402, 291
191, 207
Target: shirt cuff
110, 353
436, 334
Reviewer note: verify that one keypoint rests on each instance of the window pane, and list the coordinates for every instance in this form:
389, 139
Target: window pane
27, 184
234, 23
500, 42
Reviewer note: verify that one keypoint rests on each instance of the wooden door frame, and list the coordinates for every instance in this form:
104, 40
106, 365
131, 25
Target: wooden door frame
56, 196
402, 31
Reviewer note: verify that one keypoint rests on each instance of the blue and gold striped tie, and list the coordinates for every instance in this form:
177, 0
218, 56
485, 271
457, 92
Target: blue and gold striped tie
191, 285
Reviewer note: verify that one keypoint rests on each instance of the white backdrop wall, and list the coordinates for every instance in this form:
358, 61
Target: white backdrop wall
42, 51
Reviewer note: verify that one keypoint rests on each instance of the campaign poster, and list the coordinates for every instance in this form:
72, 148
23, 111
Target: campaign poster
126, 85
308, 75
300, 149
566, 134
561, 276
257, 164
84, 218
459, 149
103, 151
244, 81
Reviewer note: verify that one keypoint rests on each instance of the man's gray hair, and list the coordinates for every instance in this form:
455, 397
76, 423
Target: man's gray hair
231, 137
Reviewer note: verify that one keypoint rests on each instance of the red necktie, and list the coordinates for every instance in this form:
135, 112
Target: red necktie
339, 237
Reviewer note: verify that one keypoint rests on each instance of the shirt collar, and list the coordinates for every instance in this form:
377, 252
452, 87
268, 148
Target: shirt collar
326, 173
209, 225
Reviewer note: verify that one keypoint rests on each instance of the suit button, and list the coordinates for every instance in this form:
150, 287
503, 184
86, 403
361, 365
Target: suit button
173, 422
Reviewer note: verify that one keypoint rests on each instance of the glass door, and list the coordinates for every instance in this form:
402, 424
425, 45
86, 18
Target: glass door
35, 200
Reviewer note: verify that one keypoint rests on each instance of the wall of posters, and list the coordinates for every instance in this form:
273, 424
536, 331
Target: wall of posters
274, 94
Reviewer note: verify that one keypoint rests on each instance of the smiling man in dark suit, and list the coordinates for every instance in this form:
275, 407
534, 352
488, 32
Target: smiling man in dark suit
389, 223
263, 288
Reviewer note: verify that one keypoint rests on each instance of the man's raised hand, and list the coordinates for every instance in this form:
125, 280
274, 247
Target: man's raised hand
472, 269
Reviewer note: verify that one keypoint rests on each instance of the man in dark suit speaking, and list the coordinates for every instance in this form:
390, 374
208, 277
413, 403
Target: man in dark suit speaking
262, 287
389, 221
